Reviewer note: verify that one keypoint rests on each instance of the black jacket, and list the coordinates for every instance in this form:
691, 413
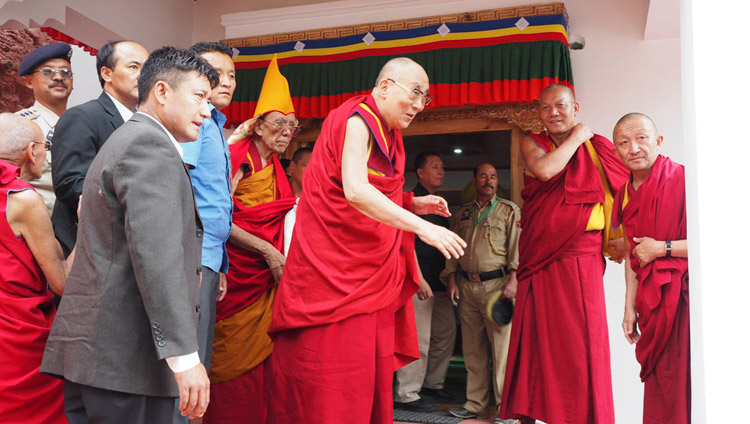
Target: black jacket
79, 135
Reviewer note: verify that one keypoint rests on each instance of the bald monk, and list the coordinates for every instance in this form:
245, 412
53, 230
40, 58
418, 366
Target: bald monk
32, 267
343, 320
558, 366
651, 207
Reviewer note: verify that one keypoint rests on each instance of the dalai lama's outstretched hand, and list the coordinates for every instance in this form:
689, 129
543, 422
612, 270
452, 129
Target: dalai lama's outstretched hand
431, 204
442, 239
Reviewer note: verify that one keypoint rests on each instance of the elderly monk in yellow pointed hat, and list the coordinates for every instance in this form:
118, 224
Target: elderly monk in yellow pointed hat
262, 197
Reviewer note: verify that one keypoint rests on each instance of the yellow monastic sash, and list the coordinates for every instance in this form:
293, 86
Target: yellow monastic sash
258, 188
601, 216
241, 342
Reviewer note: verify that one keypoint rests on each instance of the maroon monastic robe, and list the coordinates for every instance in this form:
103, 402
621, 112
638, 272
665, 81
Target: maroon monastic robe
558, 360
26, 314
343, 320
657, 210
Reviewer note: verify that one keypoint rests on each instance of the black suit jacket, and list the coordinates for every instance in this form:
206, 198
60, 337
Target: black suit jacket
79, 135
131, 299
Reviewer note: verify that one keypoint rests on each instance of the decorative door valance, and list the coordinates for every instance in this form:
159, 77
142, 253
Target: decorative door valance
468, 63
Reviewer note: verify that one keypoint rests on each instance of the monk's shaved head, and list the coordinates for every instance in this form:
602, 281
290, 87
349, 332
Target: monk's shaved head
16, 133
397, 67
636, 115
555, 87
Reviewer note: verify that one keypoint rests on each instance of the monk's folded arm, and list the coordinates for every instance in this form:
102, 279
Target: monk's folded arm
546, 165
679, 248
245, 240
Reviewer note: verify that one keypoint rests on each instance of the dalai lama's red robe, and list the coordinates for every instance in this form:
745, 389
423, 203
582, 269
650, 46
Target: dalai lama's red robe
342, 322
241, 342
558, 360
26, 314
657, 210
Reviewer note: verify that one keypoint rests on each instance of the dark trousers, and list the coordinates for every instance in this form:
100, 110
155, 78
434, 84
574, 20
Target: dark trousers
91, 405
206, 324
207, 316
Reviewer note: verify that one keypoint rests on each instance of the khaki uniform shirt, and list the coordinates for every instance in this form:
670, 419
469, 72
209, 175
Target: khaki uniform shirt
46, 119
492, 243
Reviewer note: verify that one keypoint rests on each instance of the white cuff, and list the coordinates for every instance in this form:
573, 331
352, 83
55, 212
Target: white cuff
184, 362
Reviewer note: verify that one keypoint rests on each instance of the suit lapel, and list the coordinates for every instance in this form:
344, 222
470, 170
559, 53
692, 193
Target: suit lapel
111, 109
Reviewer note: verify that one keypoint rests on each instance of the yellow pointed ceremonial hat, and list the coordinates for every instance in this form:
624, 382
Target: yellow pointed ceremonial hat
274, 96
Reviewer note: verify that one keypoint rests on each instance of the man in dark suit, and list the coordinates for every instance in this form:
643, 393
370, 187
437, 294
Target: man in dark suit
124, 338
82, 130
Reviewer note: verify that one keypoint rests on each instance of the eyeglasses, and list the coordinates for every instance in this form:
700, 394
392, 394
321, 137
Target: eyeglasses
415, 93
280, 124
47, 144
50, 73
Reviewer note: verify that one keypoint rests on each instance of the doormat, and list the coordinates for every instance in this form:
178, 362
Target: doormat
435, 417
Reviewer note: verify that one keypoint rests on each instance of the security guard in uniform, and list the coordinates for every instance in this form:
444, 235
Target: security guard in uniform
46, 70
491, 228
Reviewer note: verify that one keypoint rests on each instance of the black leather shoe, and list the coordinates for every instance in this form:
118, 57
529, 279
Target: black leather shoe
462, 413
437, 394
419, 405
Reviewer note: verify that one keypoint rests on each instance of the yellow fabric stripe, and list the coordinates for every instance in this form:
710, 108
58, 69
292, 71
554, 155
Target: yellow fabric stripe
375, 172
241, 342
626, 199
380, 127
540, 29
609, 233
258, 188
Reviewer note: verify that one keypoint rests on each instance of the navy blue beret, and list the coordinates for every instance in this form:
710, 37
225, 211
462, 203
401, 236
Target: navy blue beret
43, 54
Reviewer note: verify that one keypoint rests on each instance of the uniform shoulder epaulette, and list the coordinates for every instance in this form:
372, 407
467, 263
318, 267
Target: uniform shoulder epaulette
509, 203
29, 113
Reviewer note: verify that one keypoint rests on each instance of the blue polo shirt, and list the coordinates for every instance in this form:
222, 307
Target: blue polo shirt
209, 164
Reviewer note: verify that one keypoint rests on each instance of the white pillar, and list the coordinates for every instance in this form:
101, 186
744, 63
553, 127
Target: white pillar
717, 141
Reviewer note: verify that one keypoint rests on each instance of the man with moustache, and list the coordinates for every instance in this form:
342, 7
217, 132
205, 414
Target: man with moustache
46, 71
491, 227
343, 320
82, 130
558, 367
436, 322
651, 206
124, 338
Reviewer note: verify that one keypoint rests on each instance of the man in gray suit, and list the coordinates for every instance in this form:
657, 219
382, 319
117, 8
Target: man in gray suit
124, 338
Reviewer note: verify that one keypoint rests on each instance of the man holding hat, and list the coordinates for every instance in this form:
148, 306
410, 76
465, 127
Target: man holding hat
262, 197
491, 227
46, 71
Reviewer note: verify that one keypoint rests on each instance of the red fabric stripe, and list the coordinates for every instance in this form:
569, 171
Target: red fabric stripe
390, 51
65, 38
474, 93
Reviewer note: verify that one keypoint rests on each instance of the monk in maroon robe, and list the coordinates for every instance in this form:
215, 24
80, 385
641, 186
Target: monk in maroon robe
651, 207
558, 366
31, 263
343, 321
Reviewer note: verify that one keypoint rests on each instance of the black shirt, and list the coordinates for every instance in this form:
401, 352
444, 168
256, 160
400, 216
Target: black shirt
431, 261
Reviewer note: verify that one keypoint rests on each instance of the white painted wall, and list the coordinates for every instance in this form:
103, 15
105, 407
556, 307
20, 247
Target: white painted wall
85, 80
617, 72
717, 148
152, 23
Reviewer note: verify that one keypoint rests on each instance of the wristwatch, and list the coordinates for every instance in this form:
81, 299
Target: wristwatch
669, 248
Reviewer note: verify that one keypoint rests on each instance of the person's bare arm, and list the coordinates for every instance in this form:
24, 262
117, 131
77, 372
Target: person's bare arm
546, 165
630, 318
425, 291
374, 204
29, 218
648, 249
247, 241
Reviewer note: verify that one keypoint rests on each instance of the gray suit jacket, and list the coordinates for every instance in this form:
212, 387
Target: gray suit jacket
131, 298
